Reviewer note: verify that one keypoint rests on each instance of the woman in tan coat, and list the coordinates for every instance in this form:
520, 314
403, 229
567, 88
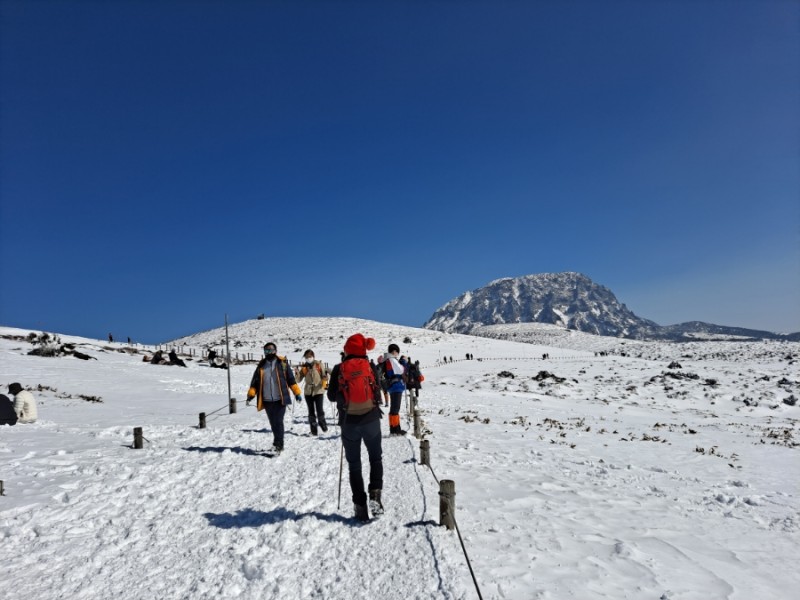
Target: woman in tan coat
315, 375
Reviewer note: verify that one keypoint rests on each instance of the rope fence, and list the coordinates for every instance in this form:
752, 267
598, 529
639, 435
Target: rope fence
447, 494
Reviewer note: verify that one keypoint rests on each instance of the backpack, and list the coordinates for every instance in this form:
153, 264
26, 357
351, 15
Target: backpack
384, 381
357, 385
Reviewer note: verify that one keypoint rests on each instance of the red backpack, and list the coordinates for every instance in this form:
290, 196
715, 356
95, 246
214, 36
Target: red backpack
357, 384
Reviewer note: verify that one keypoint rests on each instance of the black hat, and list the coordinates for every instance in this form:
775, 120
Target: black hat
15, 388
394, 348
273, 344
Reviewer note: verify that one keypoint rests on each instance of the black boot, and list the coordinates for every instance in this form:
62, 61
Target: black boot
375, 505
361, 512
314, 430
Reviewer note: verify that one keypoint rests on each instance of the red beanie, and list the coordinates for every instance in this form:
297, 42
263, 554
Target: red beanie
358, 345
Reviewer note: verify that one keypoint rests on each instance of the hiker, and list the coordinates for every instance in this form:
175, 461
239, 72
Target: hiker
382, 382
353, 386
394, 369
174, 360
158, 358
314, 374
24, 404
271, 384
8, 415
414, 379
110, 338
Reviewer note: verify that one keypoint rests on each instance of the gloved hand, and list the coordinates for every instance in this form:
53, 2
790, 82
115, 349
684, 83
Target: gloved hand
247, 402
298, 398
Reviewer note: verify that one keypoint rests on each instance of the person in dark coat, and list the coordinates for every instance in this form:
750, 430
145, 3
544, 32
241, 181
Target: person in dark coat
174, 360
414, 379
362, 424
8, 415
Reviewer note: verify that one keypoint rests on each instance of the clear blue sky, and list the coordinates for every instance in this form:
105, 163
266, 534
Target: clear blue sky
165, 163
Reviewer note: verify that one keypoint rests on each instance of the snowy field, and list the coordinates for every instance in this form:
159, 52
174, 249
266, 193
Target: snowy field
603, 471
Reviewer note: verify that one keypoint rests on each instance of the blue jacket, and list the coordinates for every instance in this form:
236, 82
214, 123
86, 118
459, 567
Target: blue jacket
396, 382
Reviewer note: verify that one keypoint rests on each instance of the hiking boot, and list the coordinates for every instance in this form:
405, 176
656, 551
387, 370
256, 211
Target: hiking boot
324, 427
313, 431
375, 505
361, 512
277, 447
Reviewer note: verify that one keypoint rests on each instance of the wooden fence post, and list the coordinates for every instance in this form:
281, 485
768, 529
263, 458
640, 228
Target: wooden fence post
202, 420
137, 438
2, 489
447, 503
232, 405
417, 432
425, 453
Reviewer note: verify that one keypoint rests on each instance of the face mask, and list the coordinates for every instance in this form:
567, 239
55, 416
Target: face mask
310, 360
270, 353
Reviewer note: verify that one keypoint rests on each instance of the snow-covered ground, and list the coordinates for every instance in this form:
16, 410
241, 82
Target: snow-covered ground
599, 472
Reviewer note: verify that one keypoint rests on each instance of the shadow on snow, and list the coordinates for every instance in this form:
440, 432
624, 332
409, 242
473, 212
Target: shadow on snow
235, 449
256, 518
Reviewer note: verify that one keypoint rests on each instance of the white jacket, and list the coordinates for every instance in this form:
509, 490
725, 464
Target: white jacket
25, 407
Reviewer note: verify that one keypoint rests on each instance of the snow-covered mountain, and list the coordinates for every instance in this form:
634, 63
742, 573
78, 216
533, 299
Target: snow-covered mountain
571, 301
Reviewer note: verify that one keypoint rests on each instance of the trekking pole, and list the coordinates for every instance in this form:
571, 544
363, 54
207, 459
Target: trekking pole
341, 461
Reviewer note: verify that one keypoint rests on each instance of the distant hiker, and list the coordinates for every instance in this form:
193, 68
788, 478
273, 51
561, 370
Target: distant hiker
129, 340
110, 338
394, 370
24, 404
174, 360
7, 414
354, 388
158, 358
414, 379
271, 383
315, 375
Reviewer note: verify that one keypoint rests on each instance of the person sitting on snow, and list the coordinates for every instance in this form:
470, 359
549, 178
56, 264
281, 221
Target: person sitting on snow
24, 404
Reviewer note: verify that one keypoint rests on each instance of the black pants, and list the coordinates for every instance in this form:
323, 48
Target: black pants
275, 413
352, 435
396, 399
316, 412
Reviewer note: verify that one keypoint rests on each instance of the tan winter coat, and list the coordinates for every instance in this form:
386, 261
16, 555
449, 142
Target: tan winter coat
25, 407
315, 376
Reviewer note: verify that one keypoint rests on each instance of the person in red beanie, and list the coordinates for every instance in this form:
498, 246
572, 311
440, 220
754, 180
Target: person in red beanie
353, 386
